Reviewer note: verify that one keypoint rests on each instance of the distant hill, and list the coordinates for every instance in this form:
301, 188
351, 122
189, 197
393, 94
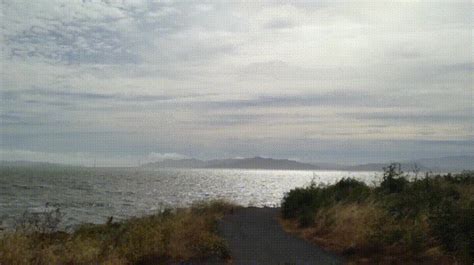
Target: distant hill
245, 163
179, 163
263, 163
406, 166
31, 164
450, 163
443, 164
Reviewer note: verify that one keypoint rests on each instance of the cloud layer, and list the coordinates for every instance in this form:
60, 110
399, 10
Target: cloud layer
343, 81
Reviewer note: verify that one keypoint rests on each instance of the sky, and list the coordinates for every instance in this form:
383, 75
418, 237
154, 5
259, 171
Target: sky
128, 82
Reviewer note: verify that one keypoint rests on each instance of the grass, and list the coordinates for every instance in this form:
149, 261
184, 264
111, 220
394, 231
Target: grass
173, 235
422, 221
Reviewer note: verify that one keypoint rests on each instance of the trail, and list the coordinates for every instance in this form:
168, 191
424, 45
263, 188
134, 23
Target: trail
254, 236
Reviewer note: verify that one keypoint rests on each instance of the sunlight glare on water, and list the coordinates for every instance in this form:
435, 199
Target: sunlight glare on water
92, 195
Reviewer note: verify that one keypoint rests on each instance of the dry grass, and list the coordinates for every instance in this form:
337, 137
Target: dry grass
177, 235
361, 232
348, 223
339, 228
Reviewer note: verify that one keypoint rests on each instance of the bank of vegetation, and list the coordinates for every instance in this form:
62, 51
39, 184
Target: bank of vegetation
427, 220
170, 236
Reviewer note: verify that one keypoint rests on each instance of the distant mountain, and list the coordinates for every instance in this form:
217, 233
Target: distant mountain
450, 163
445, 164
30, 164
406, 166
180, 163
263, 163
245, 163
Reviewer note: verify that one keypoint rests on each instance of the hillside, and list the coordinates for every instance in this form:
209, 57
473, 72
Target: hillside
245, 163
263, 163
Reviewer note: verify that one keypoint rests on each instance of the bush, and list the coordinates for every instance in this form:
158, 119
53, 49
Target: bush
435, 212
393, 180
300, 200
349, 190
453, 226
302, 203
465, 177
419, 197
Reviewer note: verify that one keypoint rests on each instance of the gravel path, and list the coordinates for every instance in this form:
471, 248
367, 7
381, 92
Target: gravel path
255, 237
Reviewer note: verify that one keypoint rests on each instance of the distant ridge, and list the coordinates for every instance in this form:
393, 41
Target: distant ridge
406, 166
448, 164
180, 163
244, 163
22, 163
263, 163
451, 164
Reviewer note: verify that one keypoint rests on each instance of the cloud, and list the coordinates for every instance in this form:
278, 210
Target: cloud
69, 95
107, 32
70, 158
279, 24
463, 67
72, 44
418, 118
155, 157
67, 32
333, 99
272, 78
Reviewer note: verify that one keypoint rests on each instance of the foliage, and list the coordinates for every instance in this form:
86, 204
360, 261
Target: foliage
349, 190
302, 203
393, 180
173, 235
434, 212
453, 225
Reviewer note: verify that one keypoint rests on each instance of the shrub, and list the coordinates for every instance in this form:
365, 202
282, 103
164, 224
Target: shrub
349, 190
398, 216
465, 177
300, 200
393, 179
453, 226
303, 203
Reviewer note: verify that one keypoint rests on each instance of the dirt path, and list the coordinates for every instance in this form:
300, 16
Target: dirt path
255, 237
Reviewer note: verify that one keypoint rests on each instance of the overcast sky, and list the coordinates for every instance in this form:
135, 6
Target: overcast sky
340, 81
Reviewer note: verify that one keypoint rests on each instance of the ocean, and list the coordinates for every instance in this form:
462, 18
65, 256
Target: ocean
91, 195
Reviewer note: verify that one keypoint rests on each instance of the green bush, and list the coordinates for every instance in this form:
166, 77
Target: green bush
300, 200
411, 215
393, 180
453, 225
418, 197
349, 190
465, 177
303, 203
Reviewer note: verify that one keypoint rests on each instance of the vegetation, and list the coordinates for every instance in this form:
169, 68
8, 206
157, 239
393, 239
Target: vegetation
428, 220
173, 235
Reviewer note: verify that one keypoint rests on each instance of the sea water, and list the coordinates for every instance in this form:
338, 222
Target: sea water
91, 195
